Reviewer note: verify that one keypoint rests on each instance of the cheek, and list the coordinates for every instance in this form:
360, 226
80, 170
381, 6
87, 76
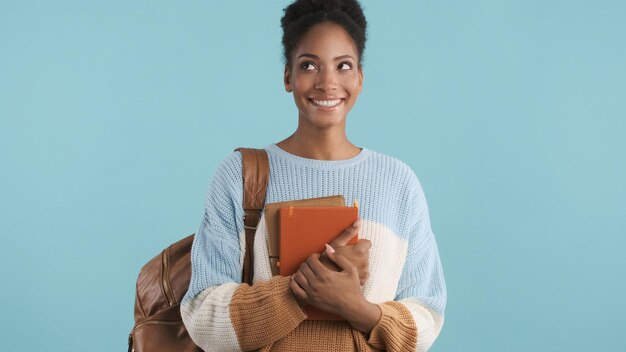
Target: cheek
351, 83
301, 82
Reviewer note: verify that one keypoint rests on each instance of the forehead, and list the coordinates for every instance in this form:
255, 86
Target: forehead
326, 40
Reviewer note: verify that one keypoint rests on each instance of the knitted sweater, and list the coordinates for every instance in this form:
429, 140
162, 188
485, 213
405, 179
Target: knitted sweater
405, 273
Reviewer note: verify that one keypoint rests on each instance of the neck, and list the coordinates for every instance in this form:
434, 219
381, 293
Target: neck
320, 144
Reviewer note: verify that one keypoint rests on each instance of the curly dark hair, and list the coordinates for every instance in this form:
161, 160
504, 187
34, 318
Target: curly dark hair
301, 15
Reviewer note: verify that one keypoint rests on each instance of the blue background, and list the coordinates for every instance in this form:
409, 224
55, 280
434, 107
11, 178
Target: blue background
115, 114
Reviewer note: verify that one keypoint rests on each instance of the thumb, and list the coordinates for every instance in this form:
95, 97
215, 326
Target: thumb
347, 234
342, 262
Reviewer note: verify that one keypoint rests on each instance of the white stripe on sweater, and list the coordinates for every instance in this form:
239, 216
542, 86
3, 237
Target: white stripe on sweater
207, 318
427, 321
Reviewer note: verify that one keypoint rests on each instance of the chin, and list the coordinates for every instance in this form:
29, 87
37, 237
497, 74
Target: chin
326, 121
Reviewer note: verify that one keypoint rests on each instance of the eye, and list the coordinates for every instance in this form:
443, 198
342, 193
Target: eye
344, 66
307, 66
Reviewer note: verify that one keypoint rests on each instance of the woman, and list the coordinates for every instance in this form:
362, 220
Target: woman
389, 287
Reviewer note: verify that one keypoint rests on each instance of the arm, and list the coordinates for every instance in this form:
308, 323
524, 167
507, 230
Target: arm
421, 295
411, 321
219, 312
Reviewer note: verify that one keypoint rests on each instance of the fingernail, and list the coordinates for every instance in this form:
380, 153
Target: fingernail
329, 249
357, 223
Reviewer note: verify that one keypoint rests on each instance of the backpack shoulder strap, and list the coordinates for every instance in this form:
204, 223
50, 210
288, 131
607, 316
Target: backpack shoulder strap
256, 172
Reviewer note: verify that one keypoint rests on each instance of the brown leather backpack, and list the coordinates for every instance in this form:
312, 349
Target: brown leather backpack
164, 280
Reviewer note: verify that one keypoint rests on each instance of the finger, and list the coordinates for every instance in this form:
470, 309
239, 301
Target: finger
363, 275
315, 265
301, 280
305, 270
342, 262
328, 263
347, 234
298, 291
365, 243
362, 248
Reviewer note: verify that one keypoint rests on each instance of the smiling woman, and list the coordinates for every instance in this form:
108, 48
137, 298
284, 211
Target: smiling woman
388, 288
325, 77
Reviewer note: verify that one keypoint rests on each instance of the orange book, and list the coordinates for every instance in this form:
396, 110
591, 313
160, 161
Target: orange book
304, 231
271, 221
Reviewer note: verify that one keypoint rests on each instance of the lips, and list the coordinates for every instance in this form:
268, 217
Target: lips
326, 103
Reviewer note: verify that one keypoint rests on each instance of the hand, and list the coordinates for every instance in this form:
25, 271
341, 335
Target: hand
357, 254
335, 292
326, 289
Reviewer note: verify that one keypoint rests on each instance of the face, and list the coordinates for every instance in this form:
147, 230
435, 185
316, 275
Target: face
325, 76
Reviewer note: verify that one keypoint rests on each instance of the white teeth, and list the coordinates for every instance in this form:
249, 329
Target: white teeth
327, 103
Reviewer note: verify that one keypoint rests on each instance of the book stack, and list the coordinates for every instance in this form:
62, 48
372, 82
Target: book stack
297, 229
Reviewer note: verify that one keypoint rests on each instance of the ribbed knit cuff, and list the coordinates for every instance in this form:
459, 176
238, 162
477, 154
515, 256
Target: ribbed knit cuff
264, 312
396, 330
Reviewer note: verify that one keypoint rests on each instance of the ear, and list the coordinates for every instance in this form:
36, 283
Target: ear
287, 79
360, 78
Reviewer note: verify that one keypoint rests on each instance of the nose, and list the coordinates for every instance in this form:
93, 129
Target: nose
326, 80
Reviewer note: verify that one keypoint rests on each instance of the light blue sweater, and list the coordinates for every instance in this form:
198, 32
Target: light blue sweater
404, 260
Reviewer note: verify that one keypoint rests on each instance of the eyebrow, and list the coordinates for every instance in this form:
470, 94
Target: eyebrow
317, 57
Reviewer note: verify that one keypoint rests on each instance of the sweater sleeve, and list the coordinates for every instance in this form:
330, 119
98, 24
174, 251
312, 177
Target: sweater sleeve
412, 321
219, 312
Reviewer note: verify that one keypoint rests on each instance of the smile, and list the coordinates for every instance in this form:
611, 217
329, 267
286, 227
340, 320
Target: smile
326, 104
